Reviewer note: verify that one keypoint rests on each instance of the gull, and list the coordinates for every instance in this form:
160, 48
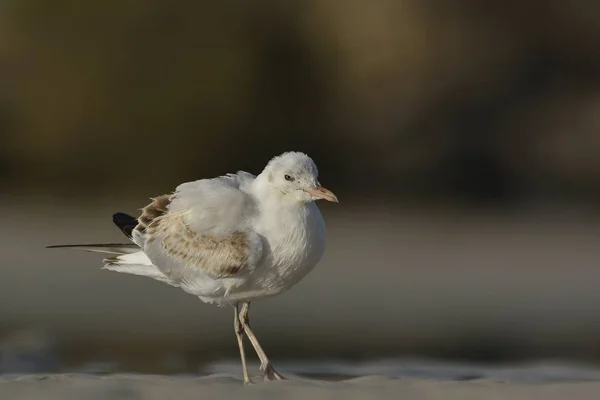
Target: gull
229, 240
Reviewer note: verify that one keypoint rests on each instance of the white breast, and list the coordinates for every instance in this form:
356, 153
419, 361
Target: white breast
295, 239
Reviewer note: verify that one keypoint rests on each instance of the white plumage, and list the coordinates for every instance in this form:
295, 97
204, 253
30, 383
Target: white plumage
232, 239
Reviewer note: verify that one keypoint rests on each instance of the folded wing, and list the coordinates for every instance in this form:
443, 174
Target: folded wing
203, 229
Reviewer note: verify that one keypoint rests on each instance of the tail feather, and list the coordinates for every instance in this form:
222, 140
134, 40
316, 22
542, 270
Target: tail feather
109, 248
127, 258
136, 263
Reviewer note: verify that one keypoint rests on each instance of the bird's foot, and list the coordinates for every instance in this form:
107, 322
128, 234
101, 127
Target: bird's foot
248, 382
270, 373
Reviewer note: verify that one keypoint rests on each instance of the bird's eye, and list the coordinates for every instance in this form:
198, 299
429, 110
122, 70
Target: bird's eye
289, 178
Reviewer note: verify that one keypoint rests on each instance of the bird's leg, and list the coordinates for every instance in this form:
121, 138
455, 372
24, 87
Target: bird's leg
265, 365
239, 333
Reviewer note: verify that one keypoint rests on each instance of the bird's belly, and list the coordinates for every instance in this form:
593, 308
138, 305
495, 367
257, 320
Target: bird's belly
270, 282
274, 276
265, 281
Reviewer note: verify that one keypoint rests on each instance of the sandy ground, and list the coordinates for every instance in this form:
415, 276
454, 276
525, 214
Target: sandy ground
391, 379
224, 386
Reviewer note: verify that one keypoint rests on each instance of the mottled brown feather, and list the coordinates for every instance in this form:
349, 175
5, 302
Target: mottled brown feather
158, 207
197, 250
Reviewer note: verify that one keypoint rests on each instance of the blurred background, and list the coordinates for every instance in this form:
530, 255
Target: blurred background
462, 138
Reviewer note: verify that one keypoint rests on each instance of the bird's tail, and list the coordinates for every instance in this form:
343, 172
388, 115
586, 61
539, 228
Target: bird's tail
107, 248
136, 263
126, 258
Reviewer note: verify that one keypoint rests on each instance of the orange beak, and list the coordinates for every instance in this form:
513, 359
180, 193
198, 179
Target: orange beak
322, 193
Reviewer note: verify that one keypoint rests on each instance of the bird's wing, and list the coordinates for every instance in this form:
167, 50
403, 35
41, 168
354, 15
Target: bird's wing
204, 227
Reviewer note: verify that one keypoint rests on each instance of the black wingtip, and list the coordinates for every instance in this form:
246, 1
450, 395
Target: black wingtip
125, 222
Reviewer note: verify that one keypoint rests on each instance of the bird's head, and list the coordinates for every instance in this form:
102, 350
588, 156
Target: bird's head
295, 175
